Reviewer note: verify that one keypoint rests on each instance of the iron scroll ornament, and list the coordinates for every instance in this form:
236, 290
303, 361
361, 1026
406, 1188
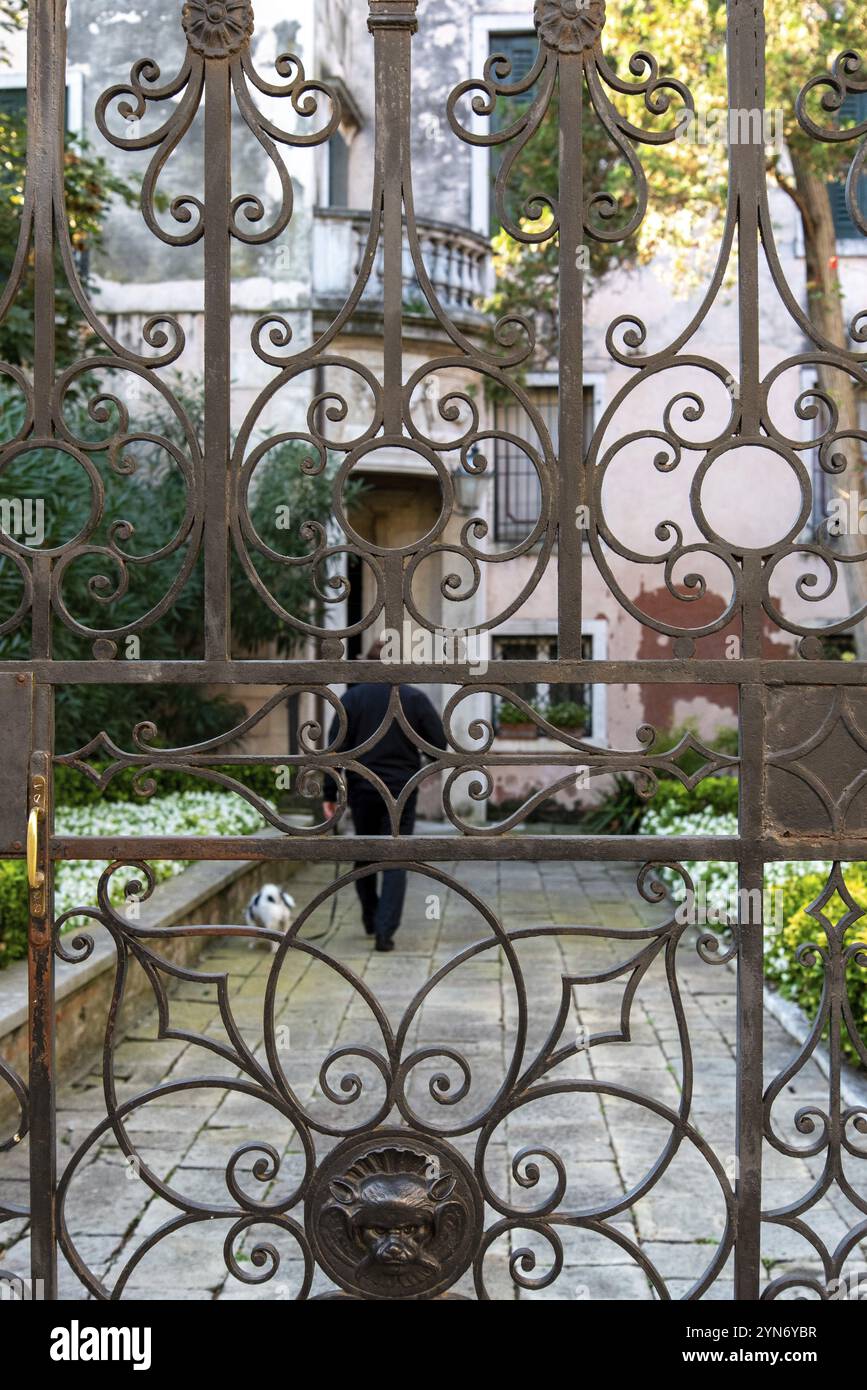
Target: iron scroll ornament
475, 753
393, 1208
847, 77
325, 361
706, 427
571, 41
833, 1132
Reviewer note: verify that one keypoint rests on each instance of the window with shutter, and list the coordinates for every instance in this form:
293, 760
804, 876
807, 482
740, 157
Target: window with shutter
539, 692
521, 50
13, 101
517, 495
338, 171
853, 111
13, 98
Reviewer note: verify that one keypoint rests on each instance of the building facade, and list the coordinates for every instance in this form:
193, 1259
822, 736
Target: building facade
311, 271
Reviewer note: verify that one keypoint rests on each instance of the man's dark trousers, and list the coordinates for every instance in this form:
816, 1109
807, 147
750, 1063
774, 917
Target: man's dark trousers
381, 911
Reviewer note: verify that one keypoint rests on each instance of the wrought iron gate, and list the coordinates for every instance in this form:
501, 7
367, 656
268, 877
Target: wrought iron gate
802, 715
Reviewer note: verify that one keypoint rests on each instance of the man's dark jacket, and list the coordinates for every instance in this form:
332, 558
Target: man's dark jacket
393, 757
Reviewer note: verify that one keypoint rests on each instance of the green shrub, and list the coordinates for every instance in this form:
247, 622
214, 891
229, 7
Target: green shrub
718, 795
208, 810
13, 911
567, 714
149, 493
724, 742
513, 714
618, 813
73, 788
622, 811
803, 982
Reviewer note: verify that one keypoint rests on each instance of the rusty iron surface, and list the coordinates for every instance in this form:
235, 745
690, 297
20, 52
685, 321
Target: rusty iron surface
801, 758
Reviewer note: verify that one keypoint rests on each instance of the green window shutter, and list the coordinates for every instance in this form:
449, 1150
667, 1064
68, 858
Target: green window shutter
338, 171
521, 49
853, 110
13, 101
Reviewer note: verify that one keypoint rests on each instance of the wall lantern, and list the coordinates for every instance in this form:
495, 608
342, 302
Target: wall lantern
469, 487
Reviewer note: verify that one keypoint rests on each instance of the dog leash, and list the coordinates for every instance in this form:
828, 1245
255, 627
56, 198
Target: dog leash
328, 932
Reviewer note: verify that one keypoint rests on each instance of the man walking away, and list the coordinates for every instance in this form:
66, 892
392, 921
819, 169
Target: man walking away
394, 759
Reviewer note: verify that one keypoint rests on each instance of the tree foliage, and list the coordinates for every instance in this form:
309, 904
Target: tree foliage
90, 187
687, 179
12, 14
145, 490
145, 493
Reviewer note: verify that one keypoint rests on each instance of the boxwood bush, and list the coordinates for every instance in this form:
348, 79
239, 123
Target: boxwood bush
74, 788
204, 810
803, 982
672, 811
718, 795
13, 911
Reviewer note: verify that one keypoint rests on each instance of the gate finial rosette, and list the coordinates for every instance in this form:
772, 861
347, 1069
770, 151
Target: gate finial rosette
217, 28
571, 26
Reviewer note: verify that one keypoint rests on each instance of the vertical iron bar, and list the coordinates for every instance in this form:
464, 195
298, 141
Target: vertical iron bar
750, 1001
392, 24
571, 356
746, 84
746, 97
218, 328
46, 68
46, 64
41, 1020
46, 80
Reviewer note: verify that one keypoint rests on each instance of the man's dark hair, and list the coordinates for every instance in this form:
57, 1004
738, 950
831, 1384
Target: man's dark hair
374, 651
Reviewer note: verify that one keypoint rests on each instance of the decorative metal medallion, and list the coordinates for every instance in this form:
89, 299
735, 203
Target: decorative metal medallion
572, 26
217, 28
394, 1215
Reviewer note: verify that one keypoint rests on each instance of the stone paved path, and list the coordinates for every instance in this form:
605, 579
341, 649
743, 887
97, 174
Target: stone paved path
607, 1143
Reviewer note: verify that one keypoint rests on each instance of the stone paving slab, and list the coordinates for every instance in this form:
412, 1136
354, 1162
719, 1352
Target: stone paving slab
670, 1213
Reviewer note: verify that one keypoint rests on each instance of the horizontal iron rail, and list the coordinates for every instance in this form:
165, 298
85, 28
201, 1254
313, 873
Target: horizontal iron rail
628, 848
716, 671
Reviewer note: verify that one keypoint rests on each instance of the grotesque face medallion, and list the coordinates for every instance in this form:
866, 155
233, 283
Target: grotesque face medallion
394, 1215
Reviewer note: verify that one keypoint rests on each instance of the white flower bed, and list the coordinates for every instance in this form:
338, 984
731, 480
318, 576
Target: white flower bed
719, 881
177, 813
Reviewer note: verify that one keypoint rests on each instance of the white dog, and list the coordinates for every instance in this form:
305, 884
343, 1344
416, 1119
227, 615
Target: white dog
270, 910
